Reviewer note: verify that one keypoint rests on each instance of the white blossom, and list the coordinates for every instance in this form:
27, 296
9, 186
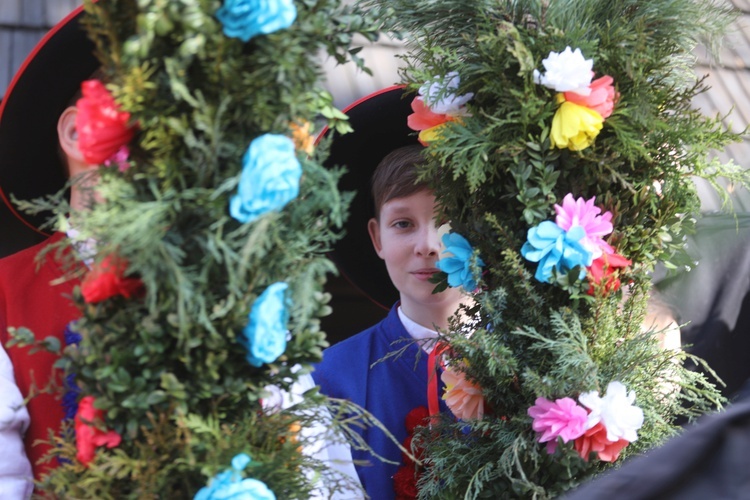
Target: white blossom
566, 71
440, 96
615, 411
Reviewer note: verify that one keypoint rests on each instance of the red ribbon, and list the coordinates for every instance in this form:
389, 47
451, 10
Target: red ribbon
432, 379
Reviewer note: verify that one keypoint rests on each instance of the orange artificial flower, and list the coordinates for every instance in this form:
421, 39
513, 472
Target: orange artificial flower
464, 398
595, 439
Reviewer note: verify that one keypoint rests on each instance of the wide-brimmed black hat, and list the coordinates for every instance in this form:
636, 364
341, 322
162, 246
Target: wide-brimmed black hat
379, 123
30, 165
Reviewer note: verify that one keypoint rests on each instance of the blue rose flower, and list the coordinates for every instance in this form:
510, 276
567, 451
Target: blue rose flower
269, 180
245, 19
265, 334
554, 248
229, 485
458, 266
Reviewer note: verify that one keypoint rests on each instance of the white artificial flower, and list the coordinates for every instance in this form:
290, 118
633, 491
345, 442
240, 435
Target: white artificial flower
566, 71
273, 399
615, 411
440, 96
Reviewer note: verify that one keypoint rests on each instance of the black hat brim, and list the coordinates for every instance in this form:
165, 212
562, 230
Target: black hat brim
379, 121
30, 165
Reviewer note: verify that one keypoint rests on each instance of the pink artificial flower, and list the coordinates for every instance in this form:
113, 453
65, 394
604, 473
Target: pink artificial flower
606, 269
463, 398
585, 214
89, 437
595, 439
120, 158
561, 418
601, 99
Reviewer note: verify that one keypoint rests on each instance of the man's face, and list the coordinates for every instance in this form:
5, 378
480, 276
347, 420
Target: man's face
407, 238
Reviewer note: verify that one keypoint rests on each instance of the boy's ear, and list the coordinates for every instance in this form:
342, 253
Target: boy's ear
67, 135
374, 229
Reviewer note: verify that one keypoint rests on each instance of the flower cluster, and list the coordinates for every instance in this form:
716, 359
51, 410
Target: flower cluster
265, 334
103, 129
602, 425
436, 105
230, 484
457, 263
269, 180
89, 434
245, 19
584, 104
575, 239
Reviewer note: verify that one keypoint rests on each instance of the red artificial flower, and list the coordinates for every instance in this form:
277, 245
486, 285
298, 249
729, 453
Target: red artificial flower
405, 482
102, 128
106, 279
606, 268
595, 439
417, 451
419, 416
89, 437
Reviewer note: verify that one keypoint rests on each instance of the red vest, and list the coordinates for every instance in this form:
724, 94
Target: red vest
29, 298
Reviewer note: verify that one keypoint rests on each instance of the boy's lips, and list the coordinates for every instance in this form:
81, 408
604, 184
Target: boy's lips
425, 273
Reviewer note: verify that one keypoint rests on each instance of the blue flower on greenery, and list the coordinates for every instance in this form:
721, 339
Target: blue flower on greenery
265, 334
229, 485
554, 248
458, 265
245, 19
269, 180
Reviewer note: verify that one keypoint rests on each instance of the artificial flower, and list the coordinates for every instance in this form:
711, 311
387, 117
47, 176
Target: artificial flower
458, 262
270, 178
408, 443
265, 334
562, 418
574, 126
419, 416
554, 248
566, 71
101, 126
615, 411
464, 398
107, 279
585, 214
428, 124
229, 485
604, 270
88, 435
405, 482
595, 440
245, 19
601, 99
440, 95
120, 158
302, 138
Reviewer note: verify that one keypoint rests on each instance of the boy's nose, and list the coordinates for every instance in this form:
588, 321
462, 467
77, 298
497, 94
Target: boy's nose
429, 242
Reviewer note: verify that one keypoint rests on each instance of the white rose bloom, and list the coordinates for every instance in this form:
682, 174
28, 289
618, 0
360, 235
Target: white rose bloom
615, 411
566, 71
439, 98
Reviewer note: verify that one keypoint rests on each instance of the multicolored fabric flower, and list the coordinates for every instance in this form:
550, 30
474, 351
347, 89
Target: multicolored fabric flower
458, 262
103, 129
245, 19
229, 485
595, 440
88, 435
562, 418
264, 337
107, 279
437, 105
555, 248
270, 178
616, 411
566, 71
583, 213
463, 397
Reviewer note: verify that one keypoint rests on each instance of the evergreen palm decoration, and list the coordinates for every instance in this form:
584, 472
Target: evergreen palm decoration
214, 218
561, 145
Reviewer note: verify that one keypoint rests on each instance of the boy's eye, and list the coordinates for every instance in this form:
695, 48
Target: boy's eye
401, 224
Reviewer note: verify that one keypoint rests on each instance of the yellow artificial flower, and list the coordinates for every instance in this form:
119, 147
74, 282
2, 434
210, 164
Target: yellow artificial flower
431, 134
303, 140
575, 126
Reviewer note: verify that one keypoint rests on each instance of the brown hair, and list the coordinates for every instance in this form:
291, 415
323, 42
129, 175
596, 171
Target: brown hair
396, 175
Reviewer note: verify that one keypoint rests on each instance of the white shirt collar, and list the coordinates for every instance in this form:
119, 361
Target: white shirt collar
417, 331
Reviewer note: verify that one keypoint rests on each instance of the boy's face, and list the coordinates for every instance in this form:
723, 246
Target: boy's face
406, 238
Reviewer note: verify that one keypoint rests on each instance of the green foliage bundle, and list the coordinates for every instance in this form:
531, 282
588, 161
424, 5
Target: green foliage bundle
496, 175
168, 368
